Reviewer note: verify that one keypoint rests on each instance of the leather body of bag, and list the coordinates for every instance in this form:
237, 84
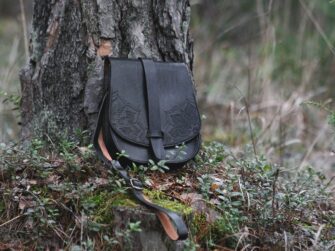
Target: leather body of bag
149, 112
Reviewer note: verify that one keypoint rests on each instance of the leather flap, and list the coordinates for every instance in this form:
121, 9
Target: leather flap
180, 120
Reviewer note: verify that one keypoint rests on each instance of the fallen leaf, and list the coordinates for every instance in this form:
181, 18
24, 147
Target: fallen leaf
99, 181
215, 186
84, 150
32, 182
199, 205
54, 164
190, 198
26, 202
53, 179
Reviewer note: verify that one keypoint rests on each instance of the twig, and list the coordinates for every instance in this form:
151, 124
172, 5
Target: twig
7, 222
317, 235
247, 103
53, 144
329, 182
270, 6
241, 188
245, 247
316, 140
274, 193
57, 233
70, 237
249, 203
243, 235
81, 230
317, 26
281, 135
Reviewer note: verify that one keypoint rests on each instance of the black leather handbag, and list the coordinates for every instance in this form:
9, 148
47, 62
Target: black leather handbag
149, 112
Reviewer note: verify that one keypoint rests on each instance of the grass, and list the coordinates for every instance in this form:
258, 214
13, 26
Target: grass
275, 55
229, 201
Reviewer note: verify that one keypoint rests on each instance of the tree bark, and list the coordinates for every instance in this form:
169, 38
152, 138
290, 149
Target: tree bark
62, 83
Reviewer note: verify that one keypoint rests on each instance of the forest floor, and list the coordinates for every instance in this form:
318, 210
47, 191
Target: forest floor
60, 197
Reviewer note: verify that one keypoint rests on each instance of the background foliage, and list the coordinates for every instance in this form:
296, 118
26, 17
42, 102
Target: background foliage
261, 62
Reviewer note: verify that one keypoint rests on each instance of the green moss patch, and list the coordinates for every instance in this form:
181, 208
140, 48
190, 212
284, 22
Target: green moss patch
159, 198
100, 205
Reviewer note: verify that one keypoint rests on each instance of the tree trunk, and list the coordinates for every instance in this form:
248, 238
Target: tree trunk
62, 83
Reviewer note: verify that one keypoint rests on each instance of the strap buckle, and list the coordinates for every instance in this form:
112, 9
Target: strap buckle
136, 184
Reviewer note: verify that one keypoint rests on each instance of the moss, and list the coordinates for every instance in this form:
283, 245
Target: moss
100, 205
217, 231
162, 200
199, 225
222, 230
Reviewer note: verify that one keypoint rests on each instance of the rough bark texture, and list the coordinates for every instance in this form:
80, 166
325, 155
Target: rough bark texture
62, 84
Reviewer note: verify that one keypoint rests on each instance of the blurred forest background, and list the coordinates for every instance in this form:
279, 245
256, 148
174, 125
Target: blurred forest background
257, 65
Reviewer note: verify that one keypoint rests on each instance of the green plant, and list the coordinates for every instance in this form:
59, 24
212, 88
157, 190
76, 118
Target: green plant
122, 154
211, 155
127, 234
331, 118
83, 137
252, 192
190, 245
134, 227
36, 148
236, 201
153, 166
66, 148
326, 108
12, 99
158, 166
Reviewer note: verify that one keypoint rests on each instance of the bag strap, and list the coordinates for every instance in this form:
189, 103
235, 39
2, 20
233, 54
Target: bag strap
154, 118
172, 223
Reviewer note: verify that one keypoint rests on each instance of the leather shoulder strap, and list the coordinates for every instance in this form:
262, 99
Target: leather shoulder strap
172, 223
154, 119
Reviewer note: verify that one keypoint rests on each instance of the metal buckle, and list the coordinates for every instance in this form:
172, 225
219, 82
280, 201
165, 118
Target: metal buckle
132, 180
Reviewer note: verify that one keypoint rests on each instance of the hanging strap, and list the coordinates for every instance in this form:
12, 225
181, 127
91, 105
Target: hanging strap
172, 223
154, 118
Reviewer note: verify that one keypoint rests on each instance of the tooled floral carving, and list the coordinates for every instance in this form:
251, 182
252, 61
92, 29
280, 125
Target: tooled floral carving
182, 122
127, 120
